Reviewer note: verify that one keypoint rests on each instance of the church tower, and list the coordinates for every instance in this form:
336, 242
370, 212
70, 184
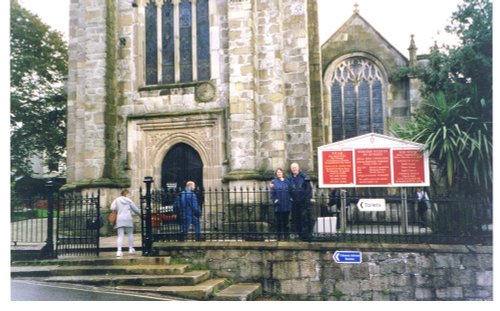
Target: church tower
215, 91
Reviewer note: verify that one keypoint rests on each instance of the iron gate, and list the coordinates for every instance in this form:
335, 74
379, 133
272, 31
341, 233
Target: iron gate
78, 225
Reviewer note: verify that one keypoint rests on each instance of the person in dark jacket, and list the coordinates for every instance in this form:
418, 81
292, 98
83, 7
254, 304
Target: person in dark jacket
423, 206
280, 197
301, 193
335, 199
190, 210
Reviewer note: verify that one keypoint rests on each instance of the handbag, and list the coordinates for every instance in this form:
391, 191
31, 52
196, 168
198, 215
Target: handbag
112, 217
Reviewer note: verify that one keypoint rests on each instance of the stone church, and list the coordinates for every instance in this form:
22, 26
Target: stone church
221, 92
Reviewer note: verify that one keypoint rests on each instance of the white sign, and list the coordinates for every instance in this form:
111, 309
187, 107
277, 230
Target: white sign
371, 205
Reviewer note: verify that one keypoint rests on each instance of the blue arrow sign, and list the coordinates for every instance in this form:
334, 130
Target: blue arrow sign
347, 257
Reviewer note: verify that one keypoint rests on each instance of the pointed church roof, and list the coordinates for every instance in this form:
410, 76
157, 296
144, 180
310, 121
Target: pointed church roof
358, 35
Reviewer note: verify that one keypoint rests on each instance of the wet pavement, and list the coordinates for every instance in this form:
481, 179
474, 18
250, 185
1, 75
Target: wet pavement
29, 290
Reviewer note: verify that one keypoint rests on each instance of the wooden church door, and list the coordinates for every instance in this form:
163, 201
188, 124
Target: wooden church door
181, 164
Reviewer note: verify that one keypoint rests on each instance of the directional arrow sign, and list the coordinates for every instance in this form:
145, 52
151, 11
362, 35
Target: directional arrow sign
371, 205
347, 257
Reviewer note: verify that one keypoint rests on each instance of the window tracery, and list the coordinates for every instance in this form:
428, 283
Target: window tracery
356, 99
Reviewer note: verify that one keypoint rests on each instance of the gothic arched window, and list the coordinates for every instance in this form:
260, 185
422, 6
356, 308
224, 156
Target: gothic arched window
356, 99
170, 58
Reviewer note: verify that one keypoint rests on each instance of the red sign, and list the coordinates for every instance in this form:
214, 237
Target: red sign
373, 160
373, 166
408, 166
337, 167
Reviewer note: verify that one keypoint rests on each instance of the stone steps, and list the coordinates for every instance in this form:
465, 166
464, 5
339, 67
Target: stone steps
136, 274
202, 291
240, 292
105, 259
97, 270
184, 279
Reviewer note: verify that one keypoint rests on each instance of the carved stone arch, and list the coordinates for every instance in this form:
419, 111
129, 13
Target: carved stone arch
165, 145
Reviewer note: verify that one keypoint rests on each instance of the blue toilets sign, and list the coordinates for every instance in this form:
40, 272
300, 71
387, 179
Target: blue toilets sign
347, 257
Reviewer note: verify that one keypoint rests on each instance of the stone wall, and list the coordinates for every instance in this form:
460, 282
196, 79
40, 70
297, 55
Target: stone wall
306, 271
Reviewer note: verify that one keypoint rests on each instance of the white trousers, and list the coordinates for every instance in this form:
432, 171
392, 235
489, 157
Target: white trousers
130, 235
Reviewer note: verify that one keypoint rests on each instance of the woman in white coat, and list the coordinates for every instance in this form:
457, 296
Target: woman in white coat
124, 222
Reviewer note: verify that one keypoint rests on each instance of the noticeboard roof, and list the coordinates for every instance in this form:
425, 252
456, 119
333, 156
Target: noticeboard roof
371, 140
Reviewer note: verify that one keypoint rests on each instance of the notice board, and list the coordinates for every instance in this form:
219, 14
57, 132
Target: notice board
372, 160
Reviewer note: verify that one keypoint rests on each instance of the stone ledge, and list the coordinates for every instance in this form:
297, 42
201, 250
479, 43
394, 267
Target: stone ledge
246, 175
97, 183
175, 113
177, 85
323, 246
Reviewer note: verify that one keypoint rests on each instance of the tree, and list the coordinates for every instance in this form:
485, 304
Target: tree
38, 63
455, 124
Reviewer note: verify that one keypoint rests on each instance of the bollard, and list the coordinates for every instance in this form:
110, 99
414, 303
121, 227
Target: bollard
48, 249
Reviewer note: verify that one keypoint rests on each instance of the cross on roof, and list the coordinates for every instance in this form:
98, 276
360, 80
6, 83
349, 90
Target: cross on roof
356, 5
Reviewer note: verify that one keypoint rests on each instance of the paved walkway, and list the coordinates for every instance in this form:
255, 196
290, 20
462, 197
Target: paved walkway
110, 241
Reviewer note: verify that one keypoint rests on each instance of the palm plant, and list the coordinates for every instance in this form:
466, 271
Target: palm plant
458, 142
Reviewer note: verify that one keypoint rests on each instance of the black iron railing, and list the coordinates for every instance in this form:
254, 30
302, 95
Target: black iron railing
78, 224
249, 215
28, 218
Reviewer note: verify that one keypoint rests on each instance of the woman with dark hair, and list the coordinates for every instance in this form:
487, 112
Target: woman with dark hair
280, 196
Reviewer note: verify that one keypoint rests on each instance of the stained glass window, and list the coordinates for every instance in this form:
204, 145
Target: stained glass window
378, 110
356, 99
168, 50
185, 41
151, 45
350, 122
203, 40
364, 111
177, 53
337, 115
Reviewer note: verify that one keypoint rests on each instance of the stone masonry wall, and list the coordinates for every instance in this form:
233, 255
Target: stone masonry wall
306, 271
86, 90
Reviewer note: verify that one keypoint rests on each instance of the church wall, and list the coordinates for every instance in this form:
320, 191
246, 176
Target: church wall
357, 38
85, 140
259, 94
269, 89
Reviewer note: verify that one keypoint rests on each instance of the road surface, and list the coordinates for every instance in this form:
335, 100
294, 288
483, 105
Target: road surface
27, 290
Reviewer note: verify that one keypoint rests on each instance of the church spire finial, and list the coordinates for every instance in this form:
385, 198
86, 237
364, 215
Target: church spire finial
413, 51
356, 7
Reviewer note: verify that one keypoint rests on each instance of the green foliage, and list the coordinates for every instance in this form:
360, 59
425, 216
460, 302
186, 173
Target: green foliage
338, 294
38, 63
456, 139
456, 122
457, 71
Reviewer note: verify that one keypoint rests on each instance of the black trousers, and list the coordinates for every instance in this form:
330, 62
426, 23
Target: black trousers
282, 225
422, 213
301, 220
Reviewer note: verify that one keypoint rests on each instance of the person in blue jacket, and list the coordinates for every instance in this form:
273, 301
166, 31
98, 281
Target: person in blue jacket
190, 211
301, 193
280, 197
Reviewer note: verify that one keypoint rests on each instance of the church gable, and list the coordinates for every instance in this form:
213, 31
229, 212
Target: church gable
357, 35
358, 93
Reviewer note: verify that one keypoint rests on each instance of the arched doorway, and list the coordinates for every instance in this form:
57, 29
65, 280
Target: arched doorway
181, 164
